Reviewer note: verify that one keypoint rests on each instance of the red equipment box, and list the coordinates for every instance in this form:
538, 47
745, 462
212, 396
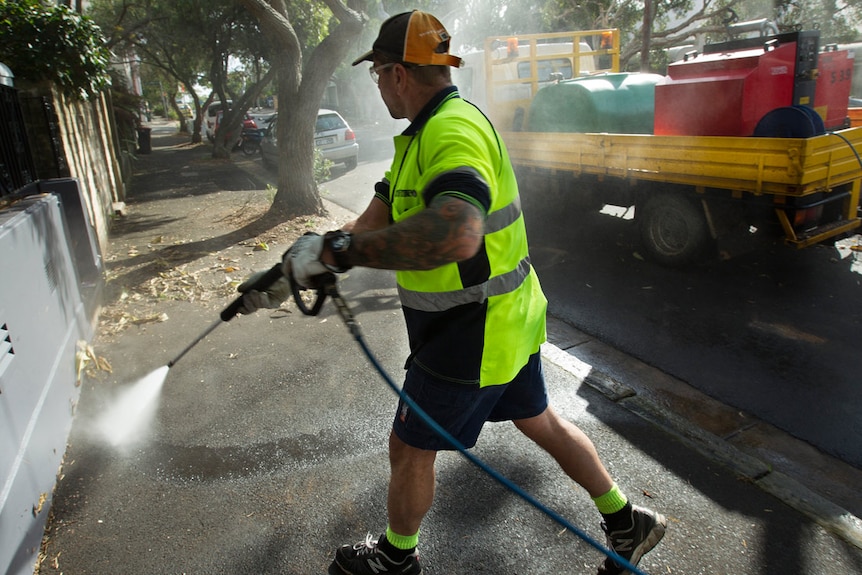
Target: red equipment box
724, 94
728, 89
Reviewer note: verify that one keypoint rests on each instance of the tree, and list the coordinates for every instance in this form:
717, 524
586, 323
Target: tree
192, 41
302, 79
645, 25
161, 36
836, 21
641, 22
233, 35
197, 40
690, 25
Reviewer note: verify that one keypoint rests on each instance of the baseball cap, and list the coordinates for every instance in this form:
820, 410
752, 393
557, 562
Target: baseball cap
415, 37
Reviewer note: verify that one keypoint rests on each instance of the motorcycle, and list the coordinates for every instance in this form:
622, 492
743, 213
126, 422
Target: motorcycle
249, 141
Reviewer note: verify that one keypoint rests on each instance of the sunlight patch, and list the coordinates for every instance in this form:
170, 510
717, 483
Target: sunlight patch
623, 212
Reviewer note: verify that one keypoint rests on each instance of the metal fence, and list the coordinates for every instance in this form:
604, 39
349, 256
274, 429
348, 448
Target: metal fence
43, 131
16, 161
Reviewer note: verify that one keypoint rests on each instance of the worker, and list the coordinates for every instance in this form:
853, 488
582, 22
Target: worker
447, 218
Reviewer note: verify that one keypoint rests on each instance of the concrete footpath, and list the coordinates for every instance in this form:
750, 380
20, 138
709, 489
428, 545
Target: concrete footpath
266, 445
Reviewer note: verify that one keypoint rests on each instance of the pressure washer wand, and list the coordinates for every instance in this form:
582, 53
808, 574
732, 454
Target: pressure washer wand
228, 313
209, 330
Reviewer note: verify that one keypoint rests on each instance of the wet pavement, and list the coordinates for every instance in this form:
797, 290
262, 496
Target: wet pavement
267, 447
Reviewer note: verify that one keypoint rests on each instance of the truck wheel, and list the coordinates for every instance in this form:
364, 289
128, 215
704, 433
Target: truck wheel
673, 229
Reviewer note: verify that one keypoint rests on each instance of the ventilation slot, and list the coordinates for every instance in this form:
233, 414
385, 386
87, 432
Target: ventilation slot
6, 351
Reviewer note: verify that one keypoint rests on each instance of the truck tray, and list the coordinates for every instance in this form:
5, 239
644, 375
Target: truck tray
780, 166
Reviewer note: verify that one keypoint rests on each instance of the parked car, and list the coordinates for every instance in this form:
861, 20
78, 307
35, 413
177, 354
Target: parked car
210, 118
332, 136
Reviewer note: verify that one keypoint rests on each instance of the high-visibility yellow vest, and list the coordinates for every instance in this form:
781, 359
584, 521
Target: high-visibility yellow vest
476, 321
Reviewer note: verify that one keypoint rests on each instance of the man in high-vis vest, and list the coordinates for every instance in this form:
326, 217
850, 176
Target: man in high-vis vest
447, 218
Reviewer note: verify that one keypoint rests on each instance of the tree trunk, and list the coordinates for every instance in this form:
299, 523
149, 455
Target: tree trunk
297, 191
196, 126
299, 94
646, 35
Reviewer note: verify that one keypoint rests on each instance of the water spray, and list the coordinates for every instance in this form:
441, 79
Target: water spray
327, 287
133, 410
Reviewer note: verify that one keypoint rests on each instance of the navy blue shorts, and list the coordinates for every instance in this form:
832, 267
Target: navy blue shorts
463, 409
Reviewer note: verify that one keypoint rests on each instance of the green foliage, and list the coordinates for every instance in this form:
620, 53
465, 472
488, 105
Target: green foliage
53, 43
322, 167
310, 21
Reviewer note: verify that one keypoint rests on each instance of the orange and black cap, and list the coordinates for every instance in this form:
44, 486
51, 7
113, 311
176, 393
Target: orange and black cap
413, 37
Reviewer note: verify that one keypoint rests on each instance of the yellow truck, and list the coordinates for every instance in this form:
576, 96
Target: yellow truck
688, 191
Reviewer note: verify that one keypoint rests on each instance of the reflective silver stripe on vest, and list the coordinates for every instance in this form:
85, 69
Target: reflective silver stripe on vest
441, 301
504, 217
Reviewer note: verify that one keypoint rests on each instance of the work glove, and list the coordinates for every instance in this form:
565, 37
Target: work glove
302, 260
270, 298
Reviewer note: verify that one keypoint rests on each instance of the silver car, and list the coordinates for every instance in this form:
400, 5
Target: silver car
332, 136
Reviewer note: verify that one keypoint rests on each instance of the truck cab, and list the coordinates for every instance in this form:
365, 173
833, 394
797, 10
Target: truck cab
517, 67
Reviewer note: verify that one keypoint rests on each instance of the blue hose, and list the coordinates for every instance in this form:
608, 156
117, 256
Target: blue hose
846, 141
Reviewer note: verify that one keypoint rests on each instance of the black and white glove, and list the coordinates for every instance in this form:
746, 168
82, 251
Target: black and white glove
302, 260
270, 298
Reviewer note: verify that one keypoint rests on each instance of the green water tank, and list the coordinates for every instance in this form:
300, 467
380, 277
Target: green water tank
622, 103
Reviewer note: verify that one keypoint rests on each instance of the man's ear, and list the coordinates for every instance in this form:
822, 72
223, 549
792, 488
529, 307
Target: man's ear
401, 74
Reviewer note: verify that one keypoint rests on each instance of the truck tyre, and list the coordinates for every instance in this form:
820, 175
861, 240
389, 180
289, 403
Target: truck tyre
673, 229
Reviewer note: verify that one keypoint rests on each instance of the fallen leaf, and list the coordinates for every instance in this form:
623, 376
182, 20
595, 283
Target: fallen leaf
155, 318
37, 509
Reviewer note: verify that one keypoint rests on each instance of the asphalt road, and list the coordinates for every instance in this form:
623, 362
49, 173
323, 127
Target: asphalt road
773, 332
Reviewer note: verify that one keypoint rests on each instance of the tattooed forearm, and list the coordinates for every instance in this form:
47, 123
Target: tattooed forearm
449, 230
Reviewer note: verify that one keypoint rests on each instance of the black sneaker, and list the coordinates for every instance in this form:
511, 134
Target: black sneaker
646, 531
365, 558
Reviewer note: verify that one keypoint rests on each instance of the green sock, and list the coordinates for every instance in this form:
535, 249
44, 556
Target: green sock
611, 502
403, 542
